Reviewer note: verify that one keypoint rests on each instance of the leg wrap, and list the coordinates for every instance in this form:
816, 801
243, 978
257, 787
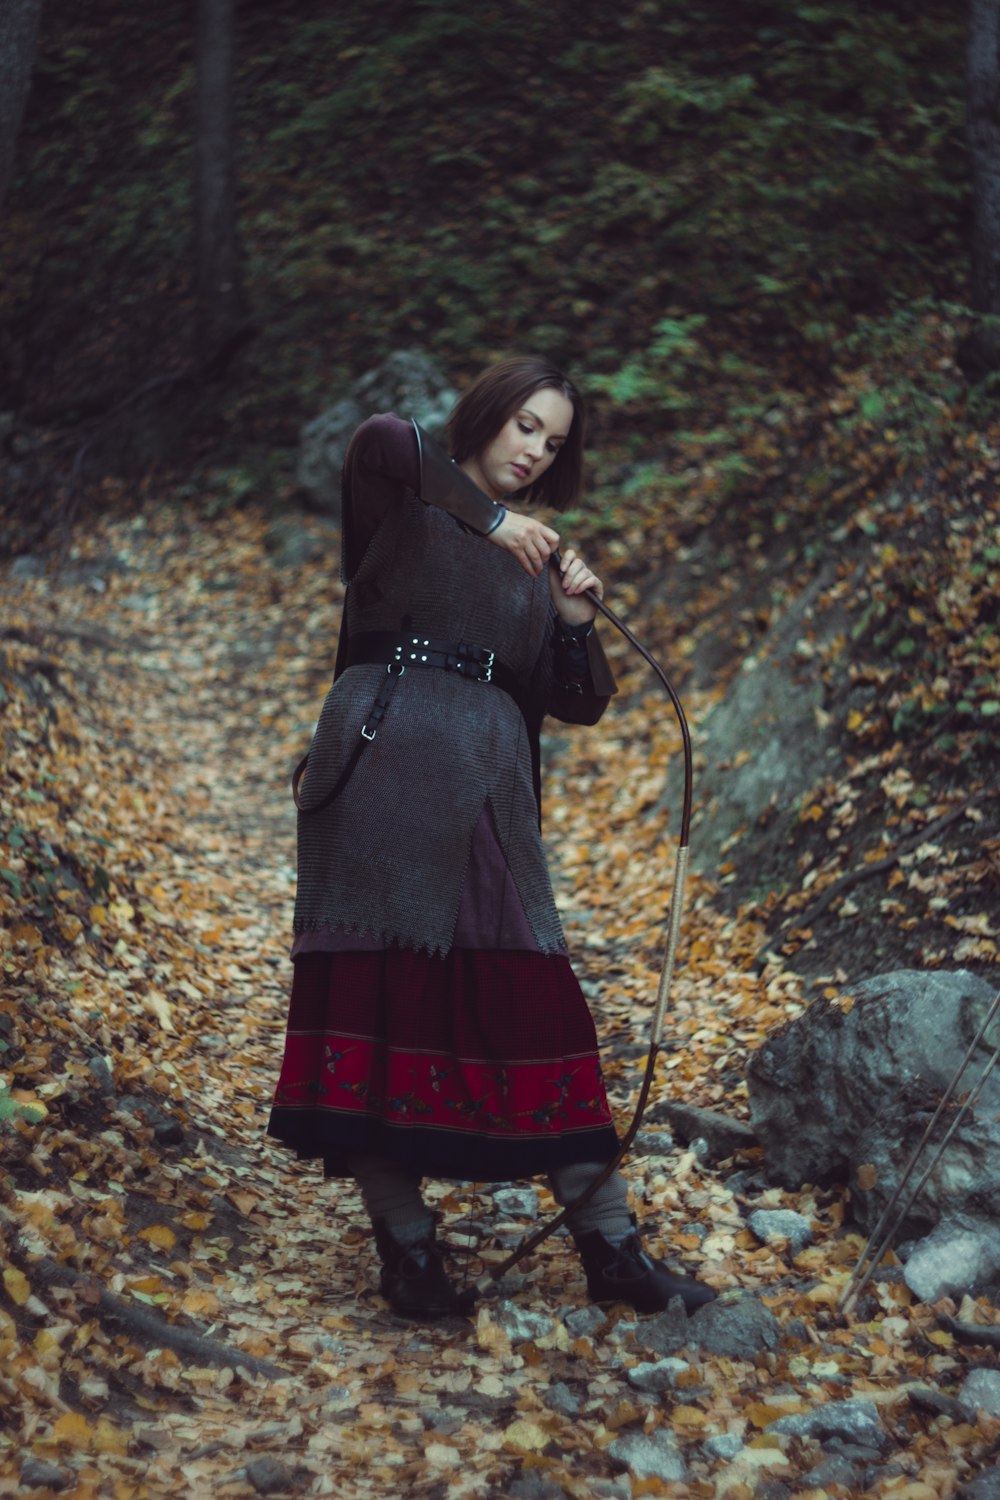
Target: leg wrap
607, 1211
392, 1194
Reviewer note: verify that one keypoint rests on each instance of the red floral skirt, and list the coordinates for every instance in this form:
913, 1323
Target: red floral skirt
477, 1064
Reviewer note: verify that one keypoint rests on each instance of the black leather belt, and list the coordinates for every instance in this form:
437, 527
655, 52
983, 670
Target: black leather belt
411, 649
399, 651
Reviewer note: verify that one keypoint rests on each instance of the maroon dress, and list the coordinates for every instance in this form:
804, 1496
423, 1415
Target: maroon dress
434, 1016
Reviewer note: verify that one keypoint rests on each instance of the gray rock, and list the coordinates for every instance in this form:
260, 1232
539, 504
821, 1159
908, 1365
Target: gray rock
981, 1391
520, 1324
770, 1224
721, 1133
960, 1255
656, 1376
738, 1329
609, 1489
854, 1421
667, 1332
764, 743
36, 1474
101, 1070
835, 1470
166, 1130
839, 1088
583, 1322
516, 1203
560, 1398
985, 1486
650, 1455
653, 1143
408, 383
937, 1403
27, 566
268, 1475
723, 1445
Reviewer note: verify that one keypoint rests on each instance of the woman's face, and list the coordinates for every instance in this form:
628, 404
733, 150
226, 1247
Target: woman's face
525, 446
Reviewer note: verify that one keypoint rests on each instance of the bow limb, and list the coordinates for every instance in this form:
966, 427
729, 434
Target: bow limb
666, 972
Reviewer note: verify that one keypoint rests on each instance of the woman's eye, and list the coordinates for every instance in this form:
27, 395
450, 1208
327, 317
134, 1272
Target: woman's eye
525, 428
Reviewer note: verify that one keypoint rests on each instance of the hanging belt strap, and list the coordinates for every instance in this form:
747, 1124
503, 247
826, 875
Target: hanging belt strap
397, 651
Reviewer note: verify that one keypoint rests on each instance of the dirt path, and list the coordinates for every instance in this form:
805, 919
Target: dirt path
212, 668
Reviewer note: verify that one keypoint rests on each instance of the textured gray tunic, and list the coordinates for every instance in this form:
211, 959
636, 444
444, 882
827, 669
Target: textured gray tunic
387, 859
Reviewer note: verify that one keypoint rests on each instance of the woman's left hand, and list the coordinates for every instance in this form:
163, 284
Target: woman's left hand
569, 587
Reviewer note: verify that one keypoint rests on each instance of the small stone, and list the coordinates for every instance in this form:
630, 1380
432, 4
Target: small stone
927, 1398
653, 1143
853, 1421
960, 1254
738, 1329
650, 1456
721, 1134
101, 1071
560, 1398
36, 1474
660, 1375
268, 1476
27, 566
610, 1489
583, 1322
723, 1445
520, 1324
781, 1224
835, 1470
985, 1486
981, 1392
516, 1203
667, 1332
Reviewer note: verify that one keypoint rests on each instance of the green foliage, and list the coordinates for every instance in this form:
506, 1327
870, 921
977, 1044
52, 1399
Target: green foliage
635, 189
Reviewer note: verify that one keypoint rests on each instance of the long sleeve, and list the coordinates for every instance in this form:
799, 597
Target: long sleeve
382, 463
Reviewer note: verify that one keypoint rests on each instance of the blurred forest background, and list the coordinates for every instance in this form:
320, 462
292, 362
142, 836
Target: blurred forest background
715, 213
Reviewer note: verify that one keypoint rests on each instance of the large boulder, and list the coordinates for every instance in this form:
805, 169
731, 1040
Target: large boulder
846, 1089
407, 382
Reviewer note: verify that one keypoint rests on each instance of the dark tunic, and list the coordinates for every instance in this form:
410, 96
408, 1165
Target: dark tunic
434, 1016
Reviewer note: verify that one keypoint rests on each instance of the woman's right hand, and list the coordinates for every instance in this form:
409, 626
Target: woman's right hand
527, 539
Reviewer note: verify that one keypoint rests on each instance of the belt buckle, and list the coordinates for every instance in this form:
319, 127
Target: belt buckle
487, 676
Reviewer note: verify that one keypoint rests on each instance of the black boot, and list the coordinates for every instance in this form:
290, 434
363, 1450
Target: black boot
626, 1273
413, 1279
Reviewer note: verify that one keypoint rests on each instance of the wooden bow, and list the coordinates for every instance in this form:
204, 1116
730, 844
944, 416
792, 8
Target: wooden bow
532, 1241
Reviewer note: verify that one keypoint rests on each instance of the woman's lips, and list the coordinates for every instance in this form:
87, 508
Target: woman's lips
520, 471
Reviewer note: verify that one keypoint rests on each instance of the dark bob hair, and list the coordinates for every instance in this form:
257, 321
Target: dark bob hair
494, 397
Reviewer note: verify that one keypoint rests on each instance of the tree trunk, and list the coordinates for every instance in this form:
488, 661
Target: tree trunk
980, 351
221, 307
18, 40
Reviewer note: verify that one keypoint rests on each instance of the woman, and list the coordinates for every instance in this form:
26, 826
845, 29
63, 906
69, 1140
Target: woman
435, 1026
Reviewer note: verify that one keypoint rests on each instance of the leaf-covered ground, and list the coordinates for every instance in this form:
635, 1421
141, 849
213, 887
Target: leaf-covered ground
188, 1311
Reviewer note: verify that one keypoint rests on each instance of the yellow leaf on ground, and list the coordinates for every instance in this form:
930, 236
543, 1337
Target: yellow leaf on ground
867, 1177
688, 1416
525, 1436
196, 1220
160, 1235
159, 1006
16, 1285
72, 1428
